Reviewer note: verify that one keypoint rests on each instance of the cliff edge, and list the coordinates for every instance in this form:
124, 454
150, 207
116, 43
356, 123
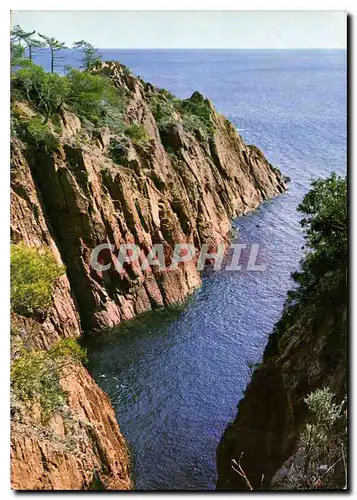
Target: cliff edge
161, 170
167, 176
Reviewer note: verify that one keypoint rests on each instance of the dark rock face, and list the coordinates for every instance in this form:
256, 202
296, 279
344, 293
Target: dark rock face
272, 412
260, 433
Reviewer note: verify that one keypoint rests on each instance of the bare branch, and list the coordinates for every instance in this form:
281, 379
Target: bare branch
239, 470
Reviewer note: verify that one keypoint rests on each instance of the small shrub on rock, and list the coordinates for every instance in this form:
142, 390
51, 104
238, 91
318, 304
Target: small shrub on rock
33, 275
35, 375
39, 135
137, 133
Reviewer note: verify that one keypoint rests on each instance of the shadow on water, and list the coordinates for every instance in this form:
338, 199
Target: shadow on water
154, 321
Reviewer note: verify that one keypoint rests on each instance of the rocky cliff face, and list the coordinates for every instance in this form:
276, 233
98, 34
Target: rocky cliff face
178, 185
80, 448
171, 188
297, 361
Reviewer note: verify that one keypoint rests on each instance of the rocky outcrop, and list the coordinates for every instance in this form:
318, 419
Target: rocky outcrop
30, 225
298, 360
173, 188
175, 185
80, 448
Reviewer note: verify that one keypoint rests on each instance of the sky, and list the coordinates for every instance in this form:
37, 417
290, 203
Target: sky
191, 29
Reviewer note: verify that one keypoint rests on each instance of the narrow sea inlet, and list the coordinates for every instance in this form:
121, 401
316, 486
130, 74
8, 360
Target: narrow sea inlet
174, 377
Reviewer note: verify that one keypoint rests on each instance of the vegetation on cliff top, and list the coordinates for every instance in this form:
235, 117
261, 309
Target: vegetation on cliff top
195, 112
92, 95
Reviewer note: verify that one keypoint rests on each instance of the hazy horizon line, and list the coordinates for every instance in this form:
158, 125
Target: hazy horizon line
207, 48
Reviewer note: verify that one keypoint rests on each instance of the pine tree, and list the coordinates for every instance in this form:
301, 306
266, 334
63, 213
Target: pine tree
90, 54
55, 46
19, 35
16, 53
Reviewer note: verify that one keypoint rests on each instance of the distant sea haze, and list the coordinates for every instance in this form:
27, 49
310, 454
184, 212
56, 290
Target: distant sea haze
175, 383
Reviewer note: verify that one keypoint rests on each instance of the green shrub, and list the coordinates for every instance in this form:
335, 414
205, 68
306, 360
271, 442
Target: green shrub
33, 130
320, 459
160, 106
15, 123
163, 106
34, 378
94, 98
47, 92
38, 134
32, 277
324, 413
192, 123
137, 133
68, 348
118, 152
35, 375
195, 112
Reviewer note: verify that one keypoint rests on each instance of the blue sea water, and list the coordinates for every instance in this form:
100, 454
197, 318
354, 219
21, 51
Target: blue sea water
175, 381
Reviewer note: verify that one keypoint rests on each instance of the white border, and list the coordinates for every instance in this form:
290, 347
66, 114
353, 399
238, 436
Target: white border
182, 5
347, 5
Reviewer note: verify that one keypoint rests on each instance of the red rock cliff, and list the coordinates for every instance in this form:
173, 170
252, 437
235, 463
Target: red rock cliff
178, 185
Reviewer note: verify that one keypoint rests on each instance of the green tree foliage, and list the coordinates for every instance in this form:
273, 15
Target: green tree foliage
94, 97
47, 92
325, 223
16, 54
19, 35
89, 54
55, 47
35, 375
321, 282
33, 275
91, 96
